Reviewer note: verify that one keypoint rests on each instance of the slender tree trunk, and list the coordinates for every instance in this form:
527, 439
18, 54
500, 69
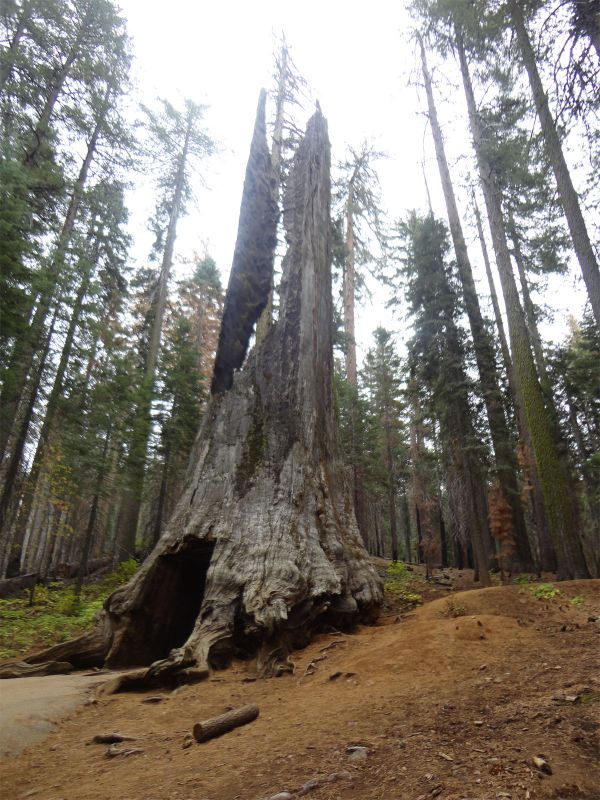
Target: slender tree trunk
40, 132
495, 305
528, 307
406, 518
7, 496
136, 463
162, 494
391, 490
30, 343
8, 58
561, 514
91, 523
349, 288
506, 463
349, 292
568, 195
545, 548
438, 482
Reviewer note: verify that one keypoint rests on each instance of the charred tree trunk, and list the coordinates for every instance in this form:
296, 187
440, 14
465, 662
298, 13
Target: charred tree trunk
263, 546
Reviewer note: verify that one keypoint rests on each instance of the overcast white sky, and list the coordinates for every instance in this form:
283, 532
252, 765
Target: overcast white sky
356, 57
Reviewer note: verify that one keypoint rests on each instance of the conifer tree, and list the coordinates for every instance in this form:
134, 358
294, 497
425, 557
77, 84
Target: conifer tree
561, 512
438, 351
179, 140
486, 362
383, 382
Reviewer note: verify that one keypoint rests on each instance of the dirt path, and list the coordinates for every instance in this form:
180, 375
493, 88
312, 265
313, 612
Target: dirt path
452, 701
30, 708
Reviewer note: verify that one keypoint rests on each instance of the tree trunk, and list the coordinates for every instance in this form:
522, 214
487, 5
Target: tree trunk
349, 290
406, 517
506, 463
496, 306
263, 546
391, 490
528, 307
89, 530
30, 342
13, 464
136, 462
559, 508
568, 195
8, 57
217, 726
547, 557
40, 131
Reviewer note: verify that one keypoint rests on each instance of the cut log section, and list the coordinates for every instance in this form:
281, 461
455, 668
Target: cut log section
217, 726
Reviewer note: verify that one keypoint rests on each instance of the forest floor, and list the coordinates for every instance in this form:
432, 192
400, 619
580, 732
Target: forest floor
452, 700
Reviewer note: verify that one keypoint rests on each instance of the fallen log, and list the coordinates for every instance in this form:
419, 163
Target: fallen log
10, 586
217, 726
65, 571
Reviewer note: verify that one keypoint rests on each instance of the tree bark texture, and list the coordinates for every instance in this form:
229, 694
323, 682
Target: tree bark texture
263, 546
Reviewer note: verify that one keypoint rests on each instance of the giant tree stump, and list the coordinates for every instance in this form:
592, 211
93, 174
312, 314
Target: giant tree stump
263, 547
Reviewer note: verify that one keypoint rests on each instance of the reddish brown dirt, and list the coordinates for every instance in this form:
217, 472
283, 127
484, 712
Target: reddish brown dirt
452, 701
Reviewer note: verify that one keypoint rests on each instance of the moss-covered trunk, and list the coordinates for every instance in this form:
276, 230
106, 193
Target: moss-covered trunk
561, 514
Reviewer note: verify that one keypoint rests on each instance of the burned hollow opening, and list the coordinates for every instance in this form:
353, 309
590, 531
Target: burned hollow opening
171, 604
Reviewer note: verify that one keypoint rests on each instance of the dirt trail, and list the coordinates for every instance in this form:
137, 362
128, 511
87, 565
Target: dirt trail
452, 701
31, 707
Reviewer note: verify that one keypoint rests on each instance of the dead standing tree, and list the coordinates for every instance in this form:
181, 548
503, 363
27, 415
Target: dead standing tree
263, 546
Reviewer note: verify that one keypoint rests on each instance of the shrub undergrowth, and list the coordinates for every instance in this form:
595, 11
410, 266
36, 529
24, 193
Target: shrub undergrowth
397, 585
56, 614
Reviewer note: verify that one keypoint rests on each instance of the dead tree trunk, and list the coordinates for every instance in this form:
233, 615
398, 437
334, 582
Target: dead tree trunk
263, 546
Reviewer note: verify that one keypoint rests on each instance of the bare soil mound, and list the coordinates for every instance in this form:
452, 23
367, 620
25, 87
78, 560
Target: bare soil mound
454, 700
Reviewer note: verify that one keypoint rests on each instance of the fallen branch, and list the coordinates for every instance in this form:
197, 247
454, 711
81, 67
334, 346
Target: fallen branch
217, 726
111, 738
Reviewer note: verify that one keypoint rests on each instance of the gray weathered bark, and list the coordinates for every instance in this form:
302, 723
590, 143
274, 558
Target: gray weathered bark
263, 546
